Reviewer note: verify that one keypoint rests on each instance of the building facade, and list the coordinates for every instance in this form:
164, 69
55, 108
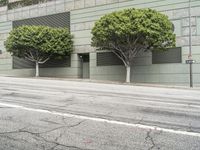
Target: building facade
86, 62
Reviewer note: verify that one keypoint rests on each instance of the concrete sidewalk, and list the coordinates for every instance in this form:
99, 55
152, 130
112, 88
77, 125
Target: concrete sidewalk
196, 87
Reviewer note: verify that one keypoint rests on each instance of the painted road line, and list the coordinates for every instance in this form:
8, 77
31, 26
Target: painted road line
103, 120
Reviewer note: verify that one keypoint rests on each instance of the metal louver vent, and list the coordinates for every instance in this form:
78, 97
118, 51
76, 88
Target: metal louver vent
20, 63
108, 59
56, 20
53, 63
172, 55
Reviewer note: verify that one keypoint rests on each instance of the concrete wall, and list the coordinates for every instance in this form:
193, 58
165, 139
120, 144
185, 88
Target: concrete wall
83, 15
5, 58
70, 72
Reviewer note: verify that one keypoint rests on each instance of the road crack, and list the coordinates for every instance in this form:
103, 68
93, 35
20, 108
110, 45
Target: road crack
150, 138
38, 136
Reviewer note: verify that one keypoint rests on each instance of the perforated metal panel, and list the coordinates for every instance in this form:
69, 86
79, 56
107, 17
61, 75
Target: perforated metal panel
56, 20
173, 55
108, 59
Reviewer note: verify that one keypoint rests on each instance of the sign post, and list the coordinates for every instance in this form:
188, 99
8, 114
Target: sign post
190, 61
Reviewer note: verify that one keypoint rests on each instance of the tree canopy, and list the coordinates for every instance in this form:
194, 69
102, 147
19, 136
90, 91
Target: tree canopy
131, 31
39, 43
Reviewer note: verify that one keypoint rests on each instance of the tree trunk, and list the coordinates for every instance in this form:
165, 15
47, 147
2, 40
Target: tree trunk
128, 74
36, 69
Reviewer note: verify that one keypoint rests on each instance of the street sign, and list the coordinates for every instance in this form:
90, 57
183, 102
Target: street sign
190, 61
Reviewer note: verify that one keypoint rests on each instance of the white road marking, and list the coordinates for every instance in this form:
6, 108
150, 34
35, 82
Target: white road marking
103, 120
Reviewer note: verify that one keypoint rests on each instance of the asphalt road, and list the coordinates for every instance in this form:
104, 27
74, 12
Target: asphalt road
60, 115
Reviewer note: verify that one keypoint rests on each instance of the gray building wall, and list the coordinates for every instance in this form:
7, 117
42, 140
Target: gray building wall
83, 15
144, 71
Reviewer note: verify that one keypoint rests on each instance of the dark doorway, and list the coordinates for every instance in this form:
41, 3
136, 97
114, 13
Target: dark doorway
85, 65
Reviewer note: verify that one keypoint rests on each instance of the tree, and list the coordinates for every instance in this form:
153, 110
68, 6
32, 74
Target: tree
39, 43
3, 2
131, 31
